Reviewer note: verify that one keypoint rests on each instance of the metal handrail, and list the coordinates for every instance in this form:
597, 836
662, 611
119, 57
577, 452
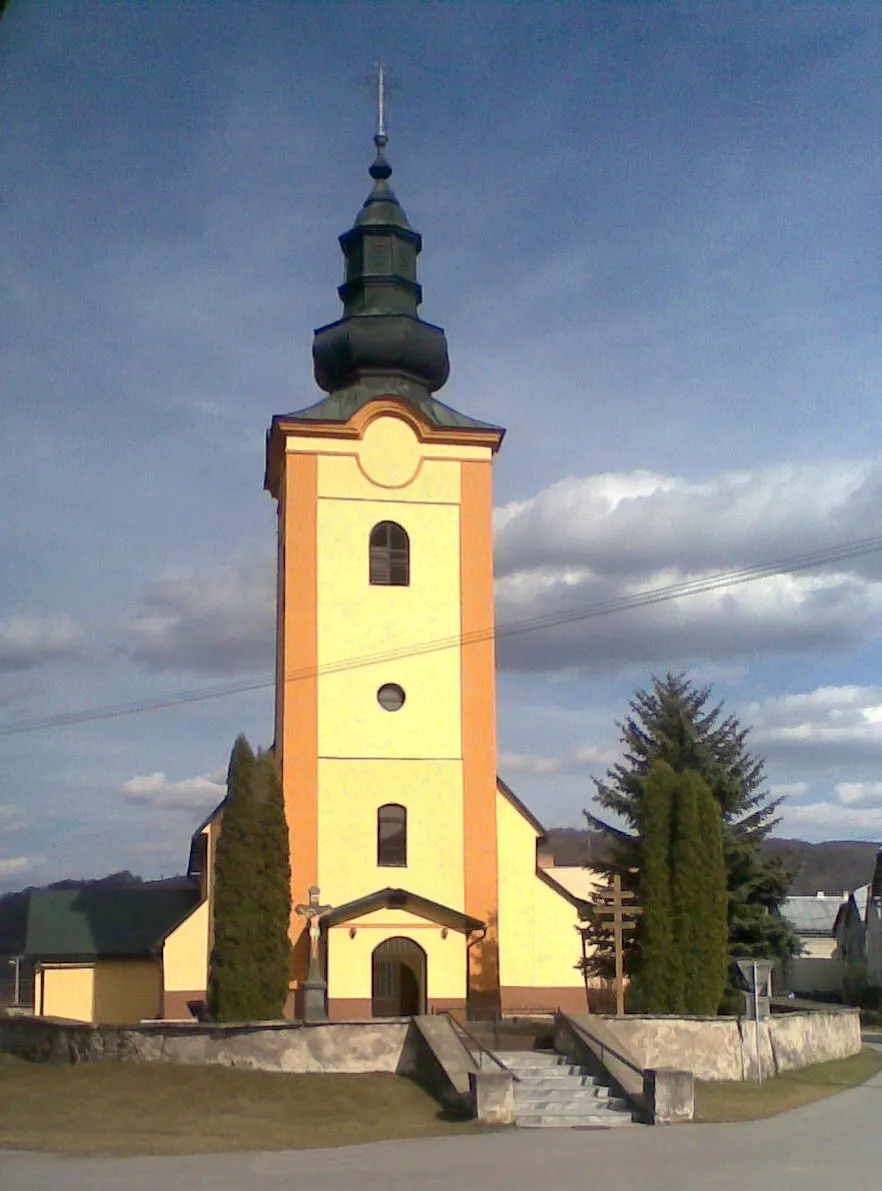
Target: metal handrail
482, 1049
603, 1047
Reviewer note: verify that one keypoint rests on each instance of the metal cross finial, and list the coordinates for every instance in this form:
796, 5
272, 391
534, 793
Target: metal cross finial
381, 100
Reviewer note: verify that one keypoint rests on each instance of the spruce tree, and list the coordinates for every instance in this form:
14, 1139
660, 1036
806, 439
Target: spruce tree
674, 720
657, 982
249, 959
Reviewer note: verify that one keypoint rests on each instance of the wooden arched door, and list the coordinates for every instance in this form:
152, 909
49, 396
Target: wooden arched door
398, 979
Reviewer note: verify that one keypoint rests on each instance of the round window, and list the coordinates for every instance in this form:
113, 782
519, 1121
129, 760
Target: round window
390, 696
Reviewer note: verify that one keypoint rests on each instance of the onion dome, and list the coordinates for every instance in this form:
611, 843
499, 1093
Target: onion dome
381, 343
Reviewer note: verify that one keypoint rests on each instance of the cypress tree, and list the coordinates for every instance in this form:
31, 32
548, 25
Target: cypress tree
698, 895
250, 956
657, 983
233, 957
275, 886
714, 898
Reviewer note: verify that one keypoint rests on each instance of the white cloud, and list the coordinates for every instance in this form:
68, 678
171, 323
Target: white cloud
12, 819
832, 817
15, 866
587, 541
583, 757
591, 754
789, 789
640, 523
832, 725
30, 641
192, 793
528, 763
862, 795
214, 620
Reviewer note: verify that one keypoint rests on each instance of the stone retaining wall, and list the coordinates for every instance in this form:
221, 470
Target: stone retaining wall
341, 1047
715, 1048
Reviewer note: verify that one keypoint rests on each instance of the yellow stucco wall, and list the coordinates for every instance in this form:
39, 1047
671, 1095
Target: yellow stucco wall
357, 621
538, 943
127, 990
349, 958
185, 954
350, 793
67, 991
369, 756
436, 481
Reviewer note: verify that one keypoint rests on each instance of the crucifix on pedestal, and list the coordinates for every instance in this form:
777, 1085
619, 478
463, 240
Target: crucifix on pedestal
315, 987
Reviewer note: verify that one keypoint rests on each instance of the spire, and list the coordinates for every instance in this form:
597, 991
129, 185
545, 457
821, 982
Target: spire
380, 343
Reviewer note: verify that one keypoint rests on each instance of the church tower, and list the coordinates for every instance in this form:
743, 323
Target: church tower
385, 671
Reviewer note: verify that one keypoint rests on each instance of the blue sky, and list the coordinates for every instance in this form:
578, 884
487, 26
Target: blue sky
651, 234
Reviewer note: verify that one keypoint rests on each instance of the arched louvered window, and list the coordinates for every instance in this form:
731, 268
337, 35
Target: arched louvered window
392, 836
389, 555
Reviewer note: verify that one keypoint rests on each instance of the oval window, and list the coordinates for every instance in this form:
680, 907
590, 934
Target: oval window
390, 696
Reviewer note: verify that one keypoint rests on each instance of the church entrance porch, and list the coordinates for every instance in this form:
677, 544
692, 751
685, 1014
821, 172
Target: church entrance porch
398, 979
394, 953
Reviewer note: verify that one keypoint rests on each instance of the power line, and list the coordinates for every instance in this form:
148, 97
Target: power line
709, 583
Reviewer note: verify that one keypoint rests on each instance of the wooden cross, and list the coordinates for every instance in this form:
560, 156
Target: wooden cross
610, 909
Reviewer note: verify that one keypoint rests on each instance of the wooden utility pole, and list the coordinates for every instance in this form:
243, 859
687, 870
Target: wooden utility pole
611, 910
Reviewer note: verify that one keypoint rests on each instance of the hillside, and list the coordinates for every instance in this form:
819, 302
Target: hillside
830, 867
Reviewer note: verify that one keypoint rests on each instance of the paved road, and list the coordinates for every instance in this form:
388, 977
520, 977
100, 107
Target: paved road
833, 1143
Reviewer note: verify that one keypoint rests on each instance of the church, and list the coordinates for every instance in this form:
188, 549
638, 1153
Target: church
418, 883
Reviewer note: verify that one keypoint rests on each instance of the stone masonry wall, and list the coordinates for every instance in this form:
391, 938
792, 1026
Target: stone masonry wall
715, 1048
341, 1047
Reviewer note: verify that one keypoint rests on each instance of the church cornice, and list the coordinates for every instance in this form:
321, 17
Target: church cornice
353, 429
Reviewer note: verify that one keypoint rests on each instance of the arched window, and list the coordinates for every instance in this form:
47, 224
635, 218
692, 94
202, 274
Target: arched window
389, 555
392, 836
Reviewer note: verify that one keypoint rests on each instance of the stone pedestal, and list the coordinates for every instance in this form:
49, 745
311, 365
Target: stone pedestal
492, 1096
669, 1095
315, 1000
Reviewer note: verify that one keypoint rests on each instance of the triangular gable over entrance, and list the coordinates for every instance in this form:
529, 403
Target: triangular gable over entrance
402, 899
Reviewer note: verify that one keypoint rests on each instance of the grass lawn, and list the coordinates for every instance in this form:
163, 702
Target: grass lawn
119, 1108
729, 1101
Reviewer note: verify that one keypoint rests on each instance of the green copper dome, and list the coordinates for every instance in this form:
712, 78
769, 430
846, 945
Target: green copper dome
381, 344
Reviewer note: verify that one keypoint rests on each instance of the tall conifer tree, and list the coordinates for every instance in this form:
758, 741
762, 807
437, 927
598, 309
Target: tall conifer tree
275, 891
249, 959
657, 980
698, 895
674, 720
233, 973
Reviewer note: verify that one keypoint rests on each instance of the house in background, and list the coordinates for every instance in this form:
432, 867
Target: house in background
122, 955
858, 931
819, 966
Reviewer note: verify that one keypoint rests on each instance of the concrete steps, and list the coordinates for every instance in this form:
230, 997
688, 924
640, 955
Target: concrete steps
552, 1093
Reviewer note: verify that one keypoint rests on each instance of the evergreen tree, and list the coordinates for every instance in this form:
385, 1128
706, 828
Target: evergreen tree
714, 897
674, 720
698, 896
657, 982
275, 888
249, 959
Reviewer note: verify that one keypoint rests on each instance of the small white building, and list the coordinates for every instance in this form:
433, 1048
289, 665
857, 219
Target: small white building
819, 966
